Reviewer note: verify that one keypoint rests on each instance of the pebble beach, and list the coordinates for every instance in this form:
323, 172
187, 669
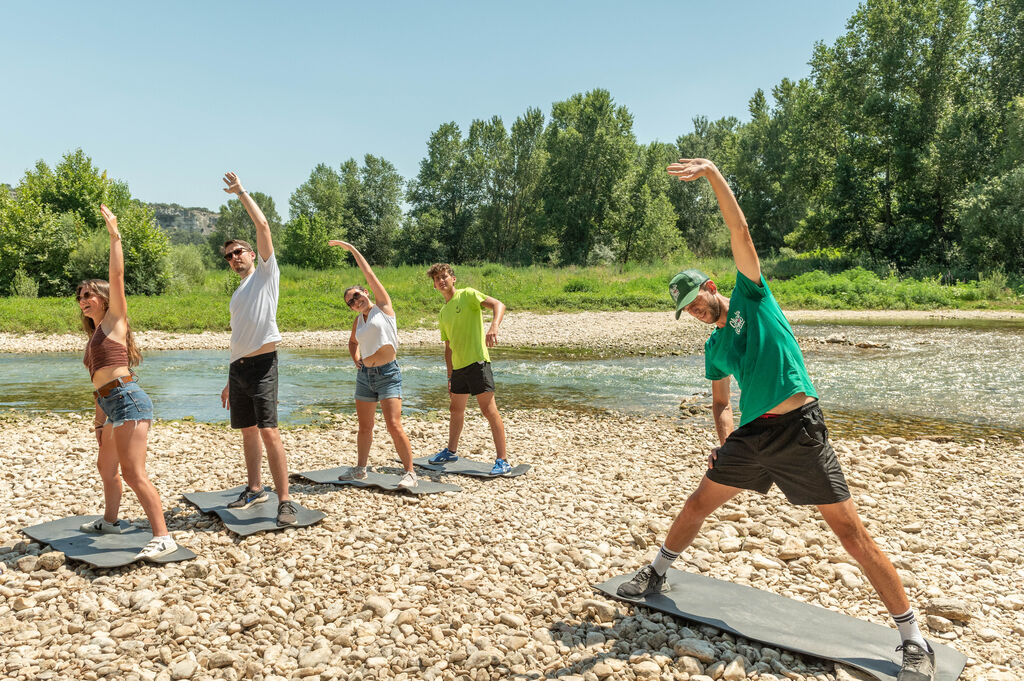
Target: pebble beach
493, 582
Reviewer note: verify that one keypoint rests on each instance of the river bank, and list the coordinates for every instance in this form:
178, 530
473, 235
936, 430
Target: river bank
493, 581
614, 332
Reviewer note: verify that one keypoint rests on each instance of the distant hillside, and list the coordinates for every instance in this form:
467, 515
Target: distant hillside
174, 218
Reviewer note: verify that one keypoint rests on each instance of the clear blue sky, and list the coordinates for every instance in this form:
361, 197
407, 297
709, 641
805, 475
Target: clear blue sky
168, 96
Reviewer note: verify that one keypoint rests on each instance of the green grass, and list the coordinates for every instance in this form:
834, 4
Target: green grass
312, 299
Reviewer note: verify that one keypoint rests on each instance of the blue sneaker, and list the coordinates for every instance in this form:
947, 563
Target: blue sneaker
501, 466
444, 456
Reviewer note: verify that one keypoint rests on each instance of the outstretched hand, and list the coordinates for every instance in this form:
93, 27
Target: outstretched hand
109, 218
344, 244
234, 185
690, 169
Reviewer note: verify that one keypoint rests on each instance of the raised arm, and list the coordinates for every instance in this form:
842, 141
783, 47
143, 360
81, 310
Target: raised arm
380, 294
264, 242
117, 308
743, 251
498, 309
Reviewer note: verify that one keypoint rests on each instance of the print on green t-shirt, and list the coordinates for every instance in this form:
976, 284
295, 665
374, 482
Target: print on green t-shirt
462, 325
758, 347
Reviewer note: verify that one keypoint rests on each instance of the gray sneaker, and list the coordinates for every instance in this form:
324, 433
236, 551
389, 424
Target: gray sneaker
101, 526
918, 663
408, 480
286, 513
354, 473
248, 497
644, 583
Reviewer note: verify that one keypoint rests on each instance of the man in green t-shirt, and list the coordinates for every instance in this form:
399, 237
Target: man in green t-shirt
469, 363
782, 438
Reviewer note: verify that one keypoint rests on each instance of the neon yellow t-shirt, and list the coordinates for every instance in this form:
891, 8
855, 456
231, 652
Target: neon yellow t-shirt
462, 325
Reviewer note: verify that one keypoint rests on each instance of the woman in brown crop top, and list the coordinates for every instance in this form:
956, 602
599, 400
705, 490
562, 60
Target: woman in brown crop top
123, 410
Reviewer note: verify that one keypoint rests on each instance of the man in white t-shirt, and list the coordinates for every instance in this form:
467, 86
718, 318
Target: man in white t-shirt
251, 392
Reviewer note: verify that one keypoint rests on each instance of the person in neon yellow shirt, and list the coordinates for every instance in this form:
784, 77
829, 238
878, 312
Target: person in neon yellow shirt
469, 363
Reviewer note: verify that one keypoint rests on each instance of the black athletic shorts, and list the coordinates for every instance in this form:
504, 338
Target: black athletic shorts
252, 391
473, 379
791, 451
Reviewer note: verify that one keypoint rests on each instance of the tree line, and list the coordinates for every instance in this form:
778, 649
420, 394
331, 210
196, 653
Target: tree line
903, 149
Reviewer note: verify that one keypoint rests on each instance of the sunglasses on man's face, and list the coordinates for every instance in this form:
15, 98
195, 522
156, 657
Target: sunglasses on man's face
355, 297
231, 254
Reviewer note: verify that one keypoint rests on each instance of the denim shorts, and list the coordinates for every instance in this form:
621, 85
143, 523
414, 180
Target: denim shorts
374, 384
127, 402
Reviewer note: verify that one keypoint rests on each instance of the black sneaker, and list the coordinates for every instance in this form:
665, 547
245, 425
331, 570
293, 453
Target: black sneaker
644, 583
248, 497
918, 663
286, 513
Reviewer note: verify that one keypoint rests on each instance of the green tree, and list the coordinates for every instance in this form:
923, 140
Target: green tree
445, 186
698, 218
304, 243
380, 210
892, 83
648, 231
53, 212
591, 148
321, 194
234, 223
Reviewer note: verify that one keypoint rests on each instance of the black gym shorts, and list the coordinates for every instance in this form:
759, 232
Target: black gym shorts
791, 450
473, 379
252, 391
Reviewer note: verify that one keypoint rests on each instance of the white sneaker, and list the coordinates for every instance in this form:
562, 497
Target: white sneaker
408, 481
101, 526
354, 473
158, 547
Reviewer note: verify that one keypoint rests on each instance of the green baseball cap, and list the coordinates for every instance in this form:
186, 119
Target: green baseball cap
684, 288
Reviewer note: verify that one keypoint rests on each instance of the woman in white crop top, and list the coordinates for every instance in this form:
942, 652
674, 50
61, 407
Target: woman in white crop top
374, 348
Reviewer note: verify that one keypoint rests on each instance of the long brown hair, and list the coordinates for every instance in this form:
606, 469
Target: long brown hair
101, 288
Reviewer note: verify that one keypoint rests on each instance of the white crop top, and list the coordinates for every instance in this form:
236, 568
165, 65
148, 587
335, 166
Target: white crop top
376, 331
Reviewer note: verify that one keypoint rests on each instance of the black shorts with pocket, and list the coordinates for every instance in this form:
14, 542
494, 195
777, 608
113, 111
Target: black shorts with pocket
791, 451
473, 379
252, 391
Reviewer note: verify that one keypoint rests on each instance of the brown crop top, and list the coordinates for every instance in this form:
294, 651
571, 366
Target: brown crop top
102, 352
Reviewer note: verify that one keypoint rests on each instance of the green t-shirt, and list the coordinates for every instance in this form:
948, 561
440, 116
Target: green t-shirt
757, 346
462, 325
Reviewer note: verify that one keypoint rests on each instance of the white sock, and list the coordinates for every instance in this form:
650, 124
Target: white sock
663, 560
909, 631
163, 536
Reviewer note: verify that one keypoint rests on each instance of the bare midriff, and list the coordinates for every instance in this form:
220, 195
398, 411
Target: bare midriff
264, 349
791, 403
384, 354
108, 374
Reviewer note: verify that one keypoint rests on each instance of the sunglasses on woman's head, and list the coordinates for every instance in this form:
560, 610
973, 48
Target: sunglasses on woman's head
352, 301
231, 254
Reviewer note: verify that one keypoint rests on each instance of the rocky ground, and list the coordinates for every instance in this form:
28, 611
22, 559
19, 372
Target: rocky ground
493, 582
624, 332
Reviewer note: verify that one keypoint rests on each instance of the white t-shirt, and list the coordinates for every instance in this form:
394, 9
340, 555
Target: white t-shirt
379, 329
254, 309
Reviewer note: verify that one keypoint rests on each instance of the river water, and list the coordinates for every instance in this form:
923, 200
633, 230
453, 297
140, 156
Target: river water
954, 381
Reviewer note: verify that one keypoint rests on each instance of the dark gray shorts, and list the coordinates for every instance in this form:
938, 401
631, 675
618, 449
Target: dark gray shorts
252, 391
474, 379
791, 451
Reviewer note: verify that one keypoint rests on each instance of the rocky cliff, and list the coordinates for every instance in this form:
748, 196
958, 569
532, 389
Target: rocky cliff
174, 218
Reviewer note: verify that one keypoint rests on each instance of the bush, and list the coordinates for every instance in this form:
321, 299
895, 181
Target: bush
24, 286
579, 286
90, 259
305, 244
186, 267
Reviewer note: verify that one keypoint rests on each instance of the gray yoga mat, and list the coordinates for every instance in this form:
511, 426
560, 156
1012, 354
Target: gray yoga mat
464, 466
385, 481
257, 518
785, 623
99, 550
